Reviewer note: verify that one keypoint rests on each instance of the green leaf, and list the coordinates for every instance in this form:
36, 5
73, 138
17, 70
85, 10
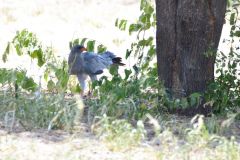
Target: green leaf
122, 25
76, 89
95, 84
90, 46
142, 4
46, 74
83, 41
40, 58
134, 28
76, 41
18, 50
113, 70
237, 33
145, 65
149, 9
6, 52
26, 43
146, 42
51, 85
38, 54
34, 54
127, 73
232, 19
116, 23
73, 43
3, 75
184, 103
128, 53
101, 48
135, 68
194, 98
29, 84
151, 51
20, 76
229, 3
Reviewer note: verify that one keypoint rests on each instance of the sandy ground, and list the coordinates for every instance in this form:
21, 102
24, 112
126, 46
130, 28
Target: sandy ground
43, 145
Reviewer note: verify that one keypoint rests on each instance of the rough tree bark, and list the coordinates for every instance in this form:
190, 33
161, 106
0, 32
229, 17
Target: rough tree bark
186, 29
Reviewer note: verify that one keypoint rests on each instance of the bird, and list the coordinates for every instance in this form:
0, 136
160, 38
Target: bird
83, 63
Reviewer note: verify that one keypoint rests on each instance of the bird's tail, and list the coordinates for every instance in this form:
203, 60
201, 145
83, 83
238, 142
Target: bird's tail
118, 61
115, 60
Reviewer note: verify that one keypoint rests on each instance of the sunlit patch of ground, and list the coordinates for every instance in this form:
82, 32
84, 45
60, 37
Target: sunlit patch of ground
171, 143
61, 145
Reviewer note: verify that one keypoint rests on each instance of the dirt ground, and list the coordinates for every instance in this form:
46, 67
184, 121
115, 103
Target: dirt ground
42, 145
82, 144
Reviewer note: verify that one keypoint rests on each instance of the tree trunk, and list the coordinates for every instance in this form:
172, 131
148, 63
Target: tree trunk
186, 31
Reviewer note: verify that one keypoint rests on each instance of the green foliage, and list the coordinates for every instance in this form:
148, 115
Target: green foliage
122, 24
224, 93
136, 93
90, 44
128, 98
55, 70
14, 77
38, 109
26, 42
144, 46
59, 73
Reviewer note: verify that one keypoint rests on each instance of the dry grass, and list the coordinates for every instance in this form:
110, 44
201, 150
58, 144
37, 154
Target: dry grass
61, 145
185, 142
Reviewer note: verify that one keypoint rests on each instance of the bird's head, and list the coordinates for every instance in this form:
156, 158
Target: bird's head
78, 49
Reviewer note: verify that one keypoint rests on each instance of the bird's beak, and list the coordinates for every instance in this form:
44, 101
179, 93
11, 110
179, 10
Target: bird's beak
83, 49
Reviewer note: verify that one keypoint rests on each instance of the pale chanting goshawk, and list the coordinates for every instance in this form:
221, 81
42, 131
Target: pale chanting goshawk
82, 63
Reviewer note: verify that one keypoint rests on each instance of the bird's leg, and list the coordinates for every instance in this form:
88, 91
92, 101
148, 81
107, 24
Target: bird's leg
93, 78
83, 85
81, 79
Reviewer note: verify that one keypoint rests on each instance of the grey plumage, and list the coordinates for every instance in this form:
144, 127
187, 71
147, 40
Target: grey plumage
85, 64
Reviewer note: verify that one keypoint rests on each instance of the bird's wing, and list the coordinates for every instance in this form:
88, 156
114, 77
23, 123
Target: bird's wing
75, 62
95, 63
108, 54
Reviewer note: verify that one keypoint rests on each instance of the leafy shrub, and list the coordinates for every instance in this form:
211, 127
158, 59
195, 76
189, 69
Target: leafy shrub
26, 42
15, 78
55, 70
37, 109
224, 93
136, 92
